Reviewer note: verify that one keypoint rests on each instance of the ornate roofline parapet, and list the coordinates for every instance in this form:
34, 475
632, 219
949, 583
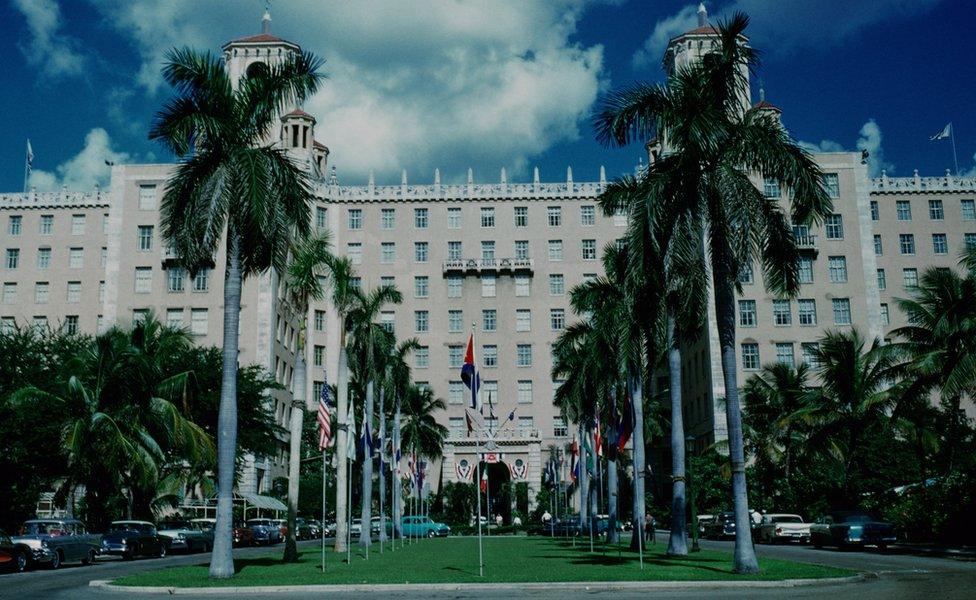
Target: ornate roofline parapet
61, 199
454, 192
917, 184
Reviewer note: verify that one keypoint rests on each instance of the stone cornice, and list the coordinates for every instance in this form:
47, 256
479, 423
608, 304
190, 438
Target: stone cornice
62, 199
918, 184
460, 192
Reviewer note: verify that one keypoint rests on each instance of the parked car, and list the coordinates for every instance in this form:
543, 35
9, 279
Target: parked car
282, 526
776, 527
603, 524
57, 541
330, 528
302, 529
473, 523
265, 531
703, 521
242, 534
12, 557
130, 539
422, 527
188, 536
314, 528
374, 525
851, 528
722, 527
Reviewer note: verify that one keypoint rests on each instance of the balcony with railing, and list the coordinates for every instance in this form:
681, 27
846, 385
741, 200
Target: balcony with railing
488, 266
806, 243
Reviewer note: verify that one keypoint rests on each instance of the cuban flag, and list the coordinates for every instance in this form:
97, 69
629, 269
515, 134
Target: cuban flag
469, 373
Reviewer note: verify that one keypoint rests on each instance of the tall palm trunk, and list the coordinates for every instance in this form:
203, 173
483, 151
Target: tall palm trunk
612, 489
222, 559
584, 487
382, 471
342, 442
744, 559
677, 544
637, 397
594, 489
365, 535
295, 451
397, 488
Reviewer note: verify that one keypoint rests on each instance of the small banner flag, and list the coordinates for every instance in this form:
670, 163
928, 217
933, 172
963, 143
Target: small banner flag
324, 418
944, 134
351, 436
519, 469
469, 373
462, 468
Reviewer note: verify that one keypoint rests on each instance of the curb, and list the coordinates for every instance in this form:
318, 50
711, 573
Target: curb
562, 586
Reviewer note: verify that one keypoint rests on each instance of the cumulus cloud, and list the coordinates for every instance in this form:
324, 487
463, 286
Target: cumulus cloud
82, 171
783, 27
491, 82
48, 49
869, 139
971, 171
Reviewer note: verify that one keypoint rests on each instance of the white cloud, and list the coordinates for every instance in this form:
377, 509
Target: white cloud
84, 170
782, 27
490, 82
971, 171
869, 139
823, 146
54, 53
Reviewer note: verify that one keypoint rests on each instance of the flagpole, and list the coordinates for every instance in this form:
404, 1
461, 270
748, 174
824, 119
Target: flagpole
27, 164
476, 389
323, 508
349, 513
952, 138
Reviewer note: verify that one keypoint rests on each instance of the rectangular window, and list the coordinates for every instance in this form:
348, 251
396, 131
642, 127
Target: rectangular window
885, 315
455, 321
488, 251
319, 320
76, 258
489, 319
809, 352
559, 428
103, 257
521, 216
13, 224
321, 217
557, 319
523, 319
837, 268
387, 218
782, 313
771, 188
174, 318
487, 286
145, 237
842, 311
454, 356
835, 227
421, 321
523, 286
940, 243
487, 216
198, 321
47, 224
201, 283
454, 284
906, 243
13, 258
143, 280
875, 213
589, 249
555, 215
147, 197
420, 218
969, 241
750, 357
746, 275
832, 184
43, 258
555, 249
40, 322
41, 292
557, 284
355, 218
356, 283
878, 249
9, 293
910, 277
490, 353
318, 355
74, 292
387, 281
77, 224
904, 210
968, 210
420, 251
806, 311
524, 391
587, 215
454, 218
456, 427
455, 392
354, 250
421, 286
387, 252
174, 279
523, 355
784, 353
521, 249
936, 210
805, 269
454, 250
105, 223
882, 280
747, 313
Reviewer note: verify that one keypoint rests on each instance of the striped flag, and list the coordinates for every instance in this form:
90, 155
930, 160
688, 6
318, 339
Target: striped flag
30, 157
945, 133
469, 373
324, 418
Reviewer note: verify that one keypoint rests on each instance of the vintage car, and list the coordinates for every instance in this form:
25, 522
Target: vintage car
303, 531
12, 557
703, 521
130, 539
282, 527
722, 527
265, 531
423, 527
776, 527
314, 528
187, 536
242, 535
851, 528
56, 541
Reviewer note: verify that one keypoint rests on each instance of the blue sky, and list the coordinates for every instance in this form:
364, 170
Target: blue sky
485, 84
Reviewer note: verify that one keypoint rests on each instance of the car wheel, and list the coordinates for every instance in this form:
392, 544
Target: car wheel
161, 553
431, 534
816, 542
130, 553
89, 558
882, 547
20, 562
56, 560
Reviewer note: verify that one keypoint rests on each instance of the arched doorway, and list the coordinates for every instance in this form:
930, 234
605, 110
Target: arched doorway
498, 499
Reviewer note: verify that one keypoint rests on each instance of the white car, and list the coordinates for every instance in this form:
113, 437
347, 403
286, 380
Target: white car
783, 527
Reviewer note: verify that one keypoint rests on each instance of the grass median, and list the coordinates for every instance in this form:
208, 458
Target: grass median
507, 560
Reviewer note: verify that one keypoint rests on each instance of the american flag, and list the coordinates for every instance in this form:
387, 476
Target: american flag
324, 418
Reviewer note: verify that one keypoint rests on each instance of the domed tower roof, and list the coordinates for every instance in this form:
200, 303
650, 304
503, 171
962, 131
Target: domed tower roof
265, 38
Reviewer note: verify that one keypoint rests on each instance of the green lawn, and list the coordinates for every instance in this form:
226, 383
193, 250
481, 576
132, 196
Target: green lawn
507, 559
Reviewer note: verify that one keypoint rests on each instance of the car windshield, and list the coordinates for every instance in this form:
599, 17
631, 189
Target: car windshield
726, 517
854, 518
45, 528
175, 525
259, 522
787, 519
117, 527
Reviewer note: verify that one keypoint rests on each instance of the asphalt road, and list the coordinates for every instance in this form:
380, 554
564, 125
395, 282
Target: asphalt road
899, 574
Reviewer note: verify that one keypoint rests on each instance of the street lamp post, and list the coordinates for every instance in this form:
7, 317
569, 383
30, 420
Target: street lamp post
689, 442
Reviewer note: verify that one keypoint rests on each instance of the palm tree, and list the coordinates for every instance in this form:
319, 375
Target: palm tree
421, 430
229, 184
309, 260
714, 142
397, 383
371, 344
